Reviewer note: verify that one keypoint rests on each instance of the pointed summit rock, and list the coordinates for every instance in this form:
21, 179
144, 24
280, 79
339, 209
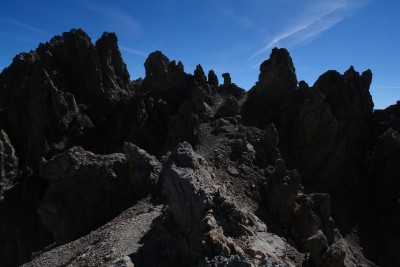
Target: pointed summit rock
199, 75
115, 76
277, 78
213, 79
278, 72
156, 67
167, 80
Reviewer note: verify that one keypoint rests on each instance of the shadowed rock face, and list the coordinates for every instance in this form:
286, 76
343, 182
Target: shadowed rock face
277, 79
9, 171
213, 79
86, 189
115, 76
204, 174
56, 95
50, 99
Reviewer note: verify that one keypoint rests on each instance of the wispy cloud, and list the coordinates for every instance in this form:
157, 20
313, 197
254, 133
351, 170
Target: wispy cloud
243, 21
133, 51
387, 87
119, 18
24, 26
318, 18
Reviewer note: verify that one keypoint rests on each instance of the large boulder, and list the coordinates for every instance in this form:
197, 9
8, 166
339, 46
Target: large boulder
87, 190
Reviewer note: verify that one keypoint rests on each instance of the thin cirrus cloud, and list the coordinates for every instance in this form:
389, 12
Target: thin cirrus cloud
387, 87
117, 17
318, 18
24, 26
133, 51
244, 21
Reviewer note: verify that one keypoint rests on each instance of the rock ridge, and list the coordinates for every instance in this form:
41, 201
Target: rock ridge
176, 169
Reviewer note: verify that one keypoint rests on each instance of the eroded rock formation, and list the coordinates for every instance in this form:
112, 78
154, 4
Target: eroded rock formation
177, 170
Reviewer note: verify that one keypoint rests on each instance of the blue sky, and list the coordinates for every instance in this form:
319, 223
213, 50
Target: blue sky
226, 35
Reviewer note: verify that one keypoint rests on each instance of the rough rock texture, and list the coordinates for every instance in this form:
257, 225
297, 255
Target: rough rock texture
51, 99
115, 76
9, 171
229, 108
144, 169
177, 170
82, 181
210, 229
110, 245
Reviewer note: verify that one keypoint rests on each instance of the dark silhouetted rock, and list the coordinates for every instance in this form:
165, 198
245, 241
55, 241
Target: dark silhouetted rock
350, 103
382, 205
227, 79
389, 117
166, 80
229, 88
115, 76
199, 75
213, 79
51, 99
276, 80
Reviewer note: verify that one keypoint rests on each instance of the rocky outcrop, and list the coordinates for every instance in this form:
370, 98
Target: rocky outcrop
276, 80
213, 79
70, 85
9, 171
166, 80
144, 169
199, 75
87, 190
350, 103
305, 218
229, 88
283, 175
210, 229
382, 207
389, 117
316, 136
115, 76
51, 99
229, 108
